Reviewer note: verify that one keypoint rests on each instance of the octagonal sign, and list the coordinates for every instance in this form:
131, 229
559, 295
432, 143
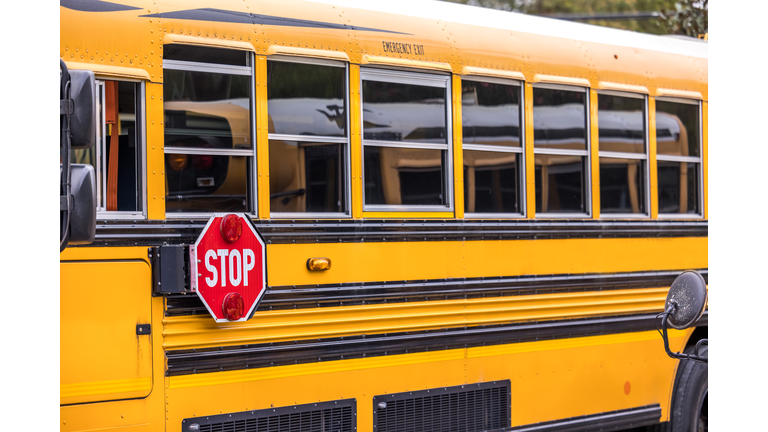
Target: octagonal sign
228, 267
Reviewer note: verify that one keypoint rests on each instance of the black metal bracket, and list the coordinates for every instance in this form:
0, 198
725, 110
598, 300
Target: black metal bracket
143, 329
678, 355
169, 269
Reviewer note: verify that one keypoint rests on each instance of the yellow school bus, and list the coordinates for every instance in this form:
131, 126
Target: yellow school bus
501, 201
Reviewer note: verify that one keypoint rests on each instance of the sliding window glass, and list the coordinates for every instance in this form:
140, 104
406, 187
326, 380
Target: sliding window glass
406, 137
209, 120
678, 157
623, 154
561, 150
492, 147
308, 138
118, 157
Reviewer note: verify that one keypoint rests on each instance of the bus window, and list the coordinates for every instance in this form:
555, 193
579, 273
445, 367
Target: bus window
117, 156
623, 154
406, 131
308, 139
209, 151
678, 152
561, 150
492, 143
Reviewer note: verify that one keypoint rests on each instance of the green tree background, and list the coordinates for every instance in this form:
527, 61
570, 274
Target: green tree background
683, 17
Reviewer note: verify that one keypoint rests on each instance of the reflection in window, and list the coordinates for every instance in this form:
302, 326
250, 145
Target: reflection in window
560, 149
306, 99
306, 177
491, 182
412, 111
623, 154
677, 129
307, 102
204, 183
560, 184
492, 143
678, 148
403, 112
209, 149
404, 176
116, 157
559, 119
490, 113
622, 186
678, 187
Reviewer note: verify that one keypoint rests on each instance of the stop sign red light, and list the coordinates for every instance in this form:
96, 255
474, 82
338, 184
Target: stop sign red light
228, 267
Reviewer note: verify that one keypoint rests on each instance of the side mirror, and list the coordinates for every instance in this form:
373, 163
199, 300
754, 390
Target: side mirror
688, 294
686, 301
83, 118
82, 221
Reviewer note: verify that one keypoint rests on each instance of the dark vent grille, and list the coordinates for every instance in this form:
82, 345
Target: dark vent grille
334, 416
467, 408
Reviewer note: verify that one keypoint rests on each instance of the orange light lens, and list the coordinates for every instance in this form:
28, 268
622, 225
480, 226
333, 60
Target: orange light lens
318, 264
231, 228
178, 162
233, 306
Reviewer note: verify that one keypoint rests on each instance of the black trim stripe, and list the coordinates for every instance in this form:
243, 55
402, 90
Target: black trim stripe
155, 233
608, 421
234, 17
294, 297
183, 362
95, 6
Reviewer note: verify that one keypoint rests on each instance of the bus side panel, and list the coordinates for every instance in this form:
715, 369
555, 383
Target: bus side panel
104, 356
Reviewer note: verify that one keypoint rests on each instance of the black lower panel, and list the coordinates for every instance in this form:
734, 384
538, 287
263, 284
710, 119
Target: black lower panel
603, 422
333, 416
465, 408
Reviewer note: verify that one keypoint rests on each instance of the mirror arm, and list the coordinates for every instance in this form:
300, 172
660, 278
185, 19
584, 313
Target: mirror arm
680, 356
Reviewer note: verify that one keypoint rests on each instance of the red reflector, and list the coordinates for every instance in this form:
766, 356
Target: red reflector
233, 306
231, 227
202, 163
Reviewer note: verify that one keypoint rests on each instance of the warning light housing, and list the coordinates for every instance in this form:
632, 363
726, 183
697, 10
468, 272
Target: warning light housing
231, 227
233, 306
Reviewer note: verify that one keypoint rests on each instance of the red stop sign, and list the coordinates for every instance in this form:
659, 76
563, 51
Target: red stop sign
228, 267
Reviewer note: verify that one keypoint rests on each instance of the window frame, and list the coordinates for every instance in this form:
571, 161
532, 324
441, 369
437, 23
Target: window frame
141, 129
622, 155
521, 169
420, 78
699, 160
249, 70
559, 152
347, 180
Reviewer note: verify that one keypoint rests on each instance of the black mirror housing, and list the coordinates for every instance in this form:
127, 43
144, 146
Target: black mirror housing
83, 119
688, 294
82, 222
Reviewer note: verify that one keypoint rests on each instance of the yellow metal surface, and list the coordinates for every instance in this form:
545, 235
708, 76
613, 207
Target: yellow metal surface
594, 154
458, 153
362, 262
479, 71
530, 169
653, 178
705, 155
102, 357
307, 52
200, 331
556, 79
262, 136
678, 93
134, 415
607, 85
356, 142
407, 215
173, 38
593, 368
156, 187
